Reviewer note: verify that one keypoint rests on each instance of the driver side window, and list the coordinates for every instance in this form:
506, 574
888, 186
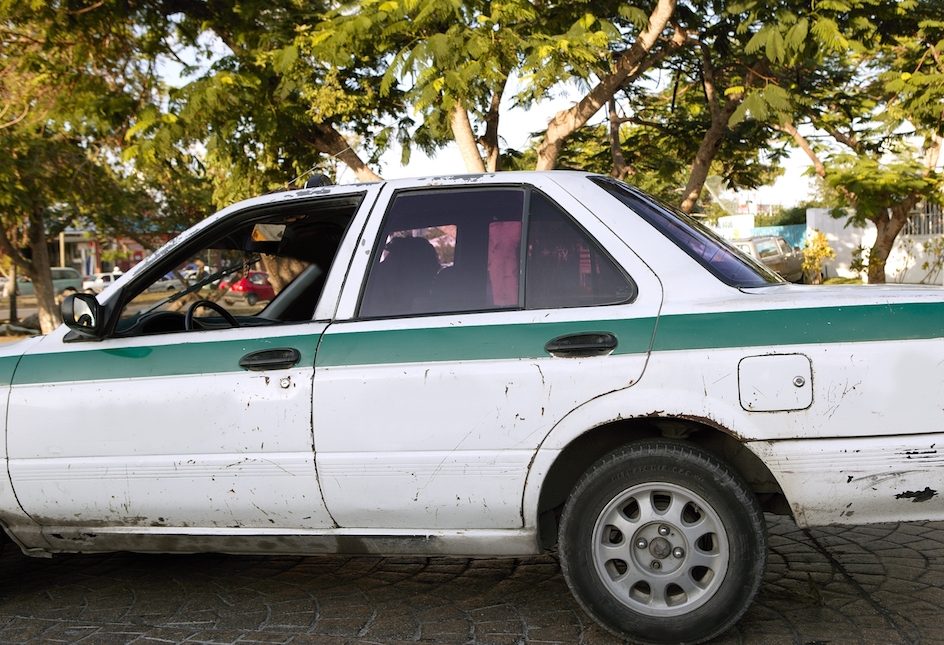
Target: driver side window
267, 270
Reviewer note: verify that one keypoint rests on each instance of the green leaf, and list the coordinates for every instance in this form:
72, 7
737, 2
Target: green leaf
777, 98
635, 15
283, 59
827, 34
740, 113
834, 5
757, 41
755, 106
796, 35
774, 48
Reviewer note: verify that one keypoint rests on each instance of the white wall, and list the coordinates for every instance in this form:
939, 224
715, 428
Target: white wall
733, 227
904, 264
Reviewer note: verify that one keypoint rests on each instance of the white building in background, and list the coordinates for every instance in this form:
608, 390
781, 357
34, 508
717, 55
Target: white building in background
915, 257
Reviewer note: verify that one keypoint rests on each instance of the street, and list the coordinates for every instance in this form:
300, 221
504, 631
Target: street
869, 584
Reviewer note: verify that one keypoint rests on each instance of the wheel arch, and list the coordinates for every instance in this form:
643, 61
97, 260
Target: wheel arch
562, 468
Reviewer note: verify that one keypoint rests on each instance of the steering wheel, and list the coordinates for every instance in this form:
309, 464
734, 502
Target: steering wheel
209, 304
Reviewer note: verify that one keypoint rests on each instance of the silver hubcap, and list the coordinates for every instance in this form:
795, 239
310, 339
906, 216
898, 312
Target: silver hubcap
660, 549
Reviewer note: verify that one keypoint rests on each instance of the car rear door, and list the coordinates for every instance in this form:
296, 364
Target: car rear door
435, 385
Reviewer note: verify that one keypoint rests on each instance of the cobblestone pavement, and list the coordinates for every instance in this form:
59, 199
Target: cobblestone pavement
872, 584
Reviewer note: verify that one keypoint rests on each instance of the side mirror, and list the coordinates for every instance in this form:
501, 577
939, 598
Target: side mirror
82, 313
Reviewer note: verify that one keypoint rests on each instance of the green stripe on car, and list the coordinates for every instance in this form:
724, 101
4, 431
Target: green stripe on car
149, 361
675, 332
822, 325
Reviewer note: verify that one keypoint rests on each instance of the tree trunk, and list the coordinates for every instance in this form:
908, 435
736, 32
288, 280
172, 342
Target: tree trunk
631, 63
714, 137
490, 140
465, 138
14, 315
330, 142
710, 144
619, 170
40, 274
887, 228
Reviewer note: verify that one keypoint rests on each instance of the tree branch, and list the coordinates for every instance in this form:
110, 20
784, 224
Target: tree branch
847, 139
329, 141
490, 140
9, 249
620, 169
805, 146
630, 62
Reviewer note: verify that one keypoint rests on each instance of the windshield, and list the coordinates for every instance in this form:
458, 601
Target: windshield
729, 264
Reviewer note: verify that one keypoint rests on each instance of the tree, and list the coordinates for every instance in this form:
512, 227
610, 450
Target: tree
69, 79
452, 61
744, 62
263, 111
628, 65
882, 109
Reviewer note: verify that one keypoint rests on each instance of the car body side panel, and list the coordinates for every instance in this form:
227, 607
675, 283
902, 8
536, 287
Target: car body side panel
446, 444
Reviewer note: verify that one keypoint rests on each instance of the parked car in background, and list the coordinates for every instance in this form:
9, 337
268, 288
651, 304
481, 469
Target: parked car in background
479, 365
169, 282
97, 282
252, 288
65, 280
776, 253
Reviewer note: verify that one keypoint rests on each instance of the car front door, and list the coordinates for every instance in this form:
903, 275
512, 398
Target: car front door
488, 313
180, 423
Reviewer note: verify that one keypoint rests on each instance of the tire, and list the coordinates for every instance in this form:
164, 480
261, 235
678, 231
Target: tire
660, 542
252, 299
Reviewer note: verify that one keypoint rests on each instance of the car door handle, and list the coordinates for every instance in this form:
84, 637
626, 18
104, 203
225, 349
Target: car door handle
579, 345
270, 359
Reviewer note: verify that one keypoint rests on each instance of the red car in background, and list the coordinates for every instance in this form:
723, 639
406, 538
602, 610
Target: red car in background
252, 287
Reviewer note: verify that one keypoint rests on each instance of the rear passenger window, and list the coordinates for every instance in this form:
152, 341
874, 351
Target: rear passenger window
462, 251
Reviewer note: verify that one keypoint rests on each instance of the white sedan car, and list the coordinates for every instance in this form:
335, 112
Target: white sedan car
479, 365
97, 282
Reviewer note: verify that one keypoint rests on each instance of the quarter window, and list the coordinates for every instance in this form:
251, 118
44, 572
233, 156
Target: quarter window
565, 267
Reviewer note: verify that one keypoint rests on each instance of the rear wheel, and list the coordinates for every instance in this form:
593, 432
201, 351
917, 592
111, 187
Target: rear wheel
252, 299
661, 542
